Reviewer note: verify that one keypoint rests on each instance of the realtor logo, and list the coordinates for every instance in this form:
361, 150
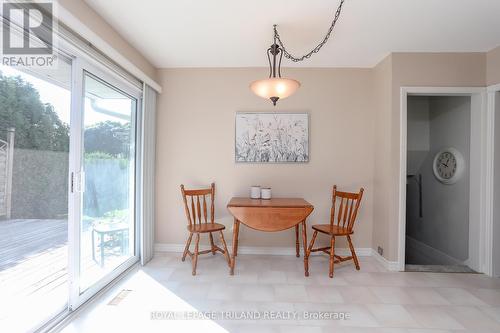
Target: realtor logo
27, 34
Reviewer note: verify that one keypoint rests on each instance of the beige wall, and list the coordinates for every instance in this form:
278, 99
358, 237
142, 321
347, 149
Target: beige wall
410, 69
493, 66
195, 145
99, 26
196, 133
196, 139
382, 87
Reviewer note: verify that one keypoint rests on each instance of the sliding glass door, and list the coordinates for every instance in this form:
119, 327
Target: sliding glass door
103, 172
68, 186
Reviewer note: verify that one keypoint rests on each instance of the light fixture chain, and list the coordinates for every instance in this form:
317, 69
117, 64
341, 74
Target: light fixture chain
318, 47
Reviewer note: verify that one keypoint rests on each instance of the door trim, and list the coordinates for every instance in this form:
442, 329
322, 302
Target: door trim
493, 90
486, 169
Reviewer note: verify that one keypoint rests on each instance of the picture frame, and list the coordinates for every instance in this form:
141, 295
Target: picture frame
271, 137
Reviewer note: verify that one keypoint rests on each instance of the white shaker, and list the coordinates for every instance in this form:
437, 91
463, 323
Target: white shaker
265, 193
255, 192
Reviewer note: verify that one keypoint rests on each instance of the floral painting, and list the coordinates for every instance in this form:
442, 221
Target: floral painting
272, 137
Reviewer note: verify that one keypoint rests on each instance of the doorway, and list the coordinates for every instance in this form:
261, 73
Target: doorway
438, 184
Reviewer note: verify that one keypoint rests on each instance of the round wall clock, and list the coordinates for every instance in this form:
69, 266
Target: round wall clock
448, 165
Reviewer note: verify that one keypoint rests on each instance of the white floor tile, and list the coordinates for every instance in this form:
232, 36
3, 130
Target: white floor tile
376, 301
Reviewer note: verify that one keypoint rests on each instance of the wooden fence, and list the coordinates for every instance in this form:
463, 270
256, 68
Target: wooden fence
6, 163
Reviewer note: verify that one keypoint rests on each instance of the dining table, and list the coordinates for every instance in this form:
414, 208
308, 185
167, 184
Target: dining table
270, 215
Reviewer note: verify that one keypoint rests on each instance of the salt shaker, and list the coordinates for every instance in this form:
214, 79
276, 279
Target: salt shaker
255, 192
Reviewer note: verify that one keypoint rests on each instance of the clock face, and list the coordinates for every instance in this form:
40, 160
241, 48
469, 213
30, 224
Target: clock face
446, 165
449, 165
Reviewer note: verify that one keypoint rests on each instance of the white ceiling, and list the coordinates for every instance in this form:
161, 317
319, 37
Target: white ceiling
236, 33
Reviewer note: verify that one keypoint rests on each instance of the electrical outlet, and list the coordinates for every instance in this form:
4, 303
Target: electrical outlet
380, 251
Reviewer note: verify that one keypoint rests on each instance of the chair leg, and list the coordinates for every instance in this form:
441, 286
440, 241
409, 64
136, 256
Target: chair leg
226, 253
93, 244
195, 256
212, 246
101, 246
312, 243
332, 254
186, 249
353, 253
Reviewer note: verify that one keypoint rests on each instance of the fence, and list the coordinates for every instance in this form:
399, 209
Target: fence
40, 185
6, 159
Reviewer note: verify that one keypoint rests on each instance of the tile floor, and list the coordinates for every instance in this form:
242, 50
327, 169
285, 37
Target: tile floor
374, 299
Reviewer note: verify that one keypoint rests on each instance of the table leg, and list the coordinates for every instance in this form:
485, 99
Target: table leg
236, 226
304, 240
297, 245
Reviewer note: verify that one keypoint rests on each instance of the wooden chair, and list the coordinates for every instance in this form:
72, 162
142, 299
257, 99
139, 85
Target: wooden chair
195, 209
340, 225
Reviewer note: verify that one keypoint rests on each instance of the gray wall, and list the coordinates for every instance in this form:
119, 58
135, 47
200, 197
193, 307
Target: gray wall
445, 222
418, 133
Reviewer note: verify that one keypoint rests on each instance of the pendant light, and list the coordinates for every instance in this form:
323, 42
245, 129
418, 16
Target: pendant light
275, 87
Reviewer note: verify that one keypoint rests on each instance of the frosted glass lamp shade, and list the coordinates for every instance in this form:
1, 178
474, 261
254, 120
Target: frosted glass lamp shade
274, 88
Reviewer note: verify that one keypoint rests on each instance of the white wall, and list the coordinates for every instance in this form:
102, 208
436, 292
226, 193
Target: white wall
445, 222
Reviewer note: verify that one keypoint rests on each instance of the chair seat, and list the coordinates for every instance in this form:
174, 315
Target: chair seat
331, 230
205, 227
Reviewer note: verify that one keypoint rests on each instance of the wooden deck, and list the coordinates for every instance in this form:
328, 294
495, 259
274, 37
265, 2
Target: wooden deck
34, 268
33, 272
34, 256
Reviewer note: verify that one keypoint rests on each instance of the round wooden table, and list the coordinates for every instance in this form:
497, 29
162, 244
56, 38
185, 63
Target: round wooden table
271, 215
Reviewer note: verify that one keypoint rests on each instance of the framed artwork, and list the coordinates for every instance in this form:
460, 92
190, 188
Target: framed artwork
272, 137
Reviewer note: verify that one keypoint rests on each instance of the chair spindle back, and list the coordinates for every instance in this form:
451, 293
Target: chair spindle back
195, 207
345, 207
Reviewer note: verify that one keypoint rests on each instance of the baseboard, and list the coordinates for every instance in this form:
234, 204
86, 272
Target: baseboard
286, 251
265, 250
425, 250
392, 266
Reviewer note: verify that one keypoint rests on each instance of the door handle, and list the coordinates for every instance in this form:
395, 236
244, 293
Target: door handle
78, 182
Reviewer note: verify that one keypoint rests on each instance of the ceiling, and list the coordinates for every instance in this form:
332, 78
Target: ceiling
236, 33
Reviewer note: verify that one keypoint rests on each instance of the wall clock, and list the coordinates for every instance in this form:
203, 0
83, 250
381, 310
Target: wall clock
448, 165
